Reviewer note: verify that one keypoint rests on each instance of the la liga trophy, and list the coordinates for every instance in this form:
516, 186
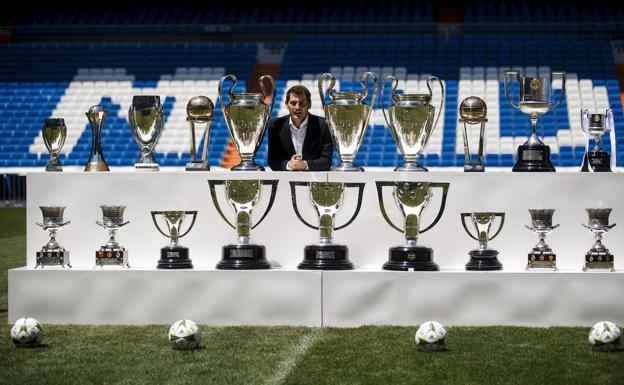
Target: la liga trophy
112, 253
146, 123
473, 111
199, 112
52, 253
542, 255
595, 126
598, 257
96, 116
483, 257
174, 255
327, 199
54, 133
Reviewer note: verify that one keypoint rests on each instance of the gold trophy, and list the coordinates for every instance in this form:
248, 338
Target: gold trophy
199, 111
473, 110
96, 116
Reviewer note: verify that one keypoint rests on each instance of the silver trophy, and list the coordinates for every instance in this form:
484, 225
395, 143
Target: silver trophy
595, 126
243, 196
199, 111
411, 119
483, 257
174, 255
327, 199
473, 110
112, 253
347, 117
96, 116
598, 257
54, 133
52, 253
411, 198
542, 255
146, 123
536, 99
246, 116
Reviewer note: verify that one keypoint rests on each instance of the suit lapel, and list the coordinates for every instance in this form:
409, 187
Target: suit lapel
287, 138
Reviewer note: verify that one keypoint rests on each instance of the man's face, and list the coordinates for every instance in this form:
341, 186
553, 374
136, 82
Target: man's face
298, 106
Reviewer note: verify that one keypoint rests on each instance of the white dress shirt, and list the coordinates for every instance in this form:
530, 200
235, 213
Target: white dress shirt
298, 136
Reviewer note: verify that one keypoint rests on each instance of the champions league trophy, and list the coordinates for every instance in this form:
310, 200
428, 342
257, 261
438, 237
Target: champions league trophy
411, 198
597, 125
146, 123
411, 120
200, 111
347, 117
242, 196
52, 254
542, 255
174, 256
536, 96
96, 116
54, 133
246, 117
483, 257
112, 253
598, 257
473, 110
327, 199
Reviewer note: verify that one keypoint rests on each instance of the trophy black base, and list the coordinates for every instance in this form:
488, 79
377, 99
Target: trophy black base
483, 260
545, 259
246, 165
111, 257
600, 161
326, 257
473, 167
599, 260
174, 258
533, 158
52, 258
243, 257
404, 258
197, 166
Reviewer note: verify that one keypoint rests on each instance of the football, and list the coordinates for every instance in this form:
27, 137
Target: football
431, 335
27, 332
184, 334
604, 336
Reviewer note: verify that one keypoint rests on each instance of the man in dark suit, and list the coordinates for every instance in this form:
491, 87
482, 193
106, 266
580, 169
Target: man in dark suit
299, 141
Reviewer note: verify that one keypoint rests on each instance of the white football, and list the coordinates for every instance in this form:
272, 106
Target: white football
604, 335
27, 332
184, 334
431, 335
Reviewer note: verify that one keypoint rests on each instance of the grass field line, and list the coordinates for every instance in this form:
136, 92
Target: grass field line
286, 366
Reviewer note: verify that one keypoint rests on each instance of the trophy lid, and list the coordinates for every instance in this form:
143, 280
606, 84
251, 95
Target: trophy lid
200, 108
145, 101
472, 108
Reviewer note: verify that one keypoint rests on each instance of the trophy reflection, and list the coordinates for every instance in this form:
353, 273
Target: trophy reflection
146, 123
347, 118
199, 111
411, 198
595, 126
327, 199
598, 257
243, 196
112, 253
483, 257
52, 253
54, 133
411, 120
96, 116
473, 110
174, 256
542, 255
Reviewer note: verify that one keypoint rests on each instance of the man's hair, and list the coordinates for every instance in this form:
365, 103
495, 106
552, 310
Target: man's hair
299, 90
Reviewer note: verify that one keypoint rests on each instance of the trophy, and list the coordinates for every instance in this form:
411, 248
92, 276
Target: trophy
246, 117
112, 253
483, 257
347, 117
536, 96
411, 121
598, 257
411, 198
54, 133
199, 110
473, 110
542, 255
596, 125
52, 254
327, 198
174, 256
243, 195
96, 116
146, 123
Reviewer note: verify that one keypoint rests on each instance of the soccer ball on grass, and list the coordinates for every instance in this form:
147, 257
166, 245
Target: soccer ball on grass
431, 335
604, 336
184, 334
27, 332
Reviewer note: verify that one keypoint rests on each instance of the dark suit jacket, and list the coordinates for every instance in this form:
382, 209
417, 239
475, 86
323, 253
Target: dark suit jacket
317, 146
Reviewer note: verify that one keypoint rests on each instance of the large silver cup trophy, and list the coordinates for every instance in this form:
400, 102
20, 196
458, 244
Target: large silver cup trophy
246, 116
411, 119
243, 196
200, 112
174, 255
595, 126
327, 199
146, 123
536, 99
54, 133
483, 257
598, 257
542, 255
411, 198
96, 116
347, 117
52, 253
473, 110
112, 253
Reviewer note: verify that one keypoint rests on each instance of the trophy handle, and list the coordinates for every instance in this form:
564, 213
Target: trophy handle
230, 93
360, 187
272, 81
382, 208
431, 79
293, 196
213, 194
40, 225
194, 214
585, 121
100, 224
609, 120
133, 126
500, 226
363, 77
395, 83
444, 187
508, 75
273, 184
157, 225
463, 219
563, 87
332, 83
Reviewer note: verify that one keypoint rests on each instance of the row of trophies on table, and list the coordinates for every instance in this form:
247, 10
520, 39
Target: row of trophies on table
327, 198
411, 118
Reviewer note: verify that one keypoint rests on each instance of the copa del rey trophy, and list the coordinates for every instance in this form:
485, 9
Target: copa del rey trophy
596, 126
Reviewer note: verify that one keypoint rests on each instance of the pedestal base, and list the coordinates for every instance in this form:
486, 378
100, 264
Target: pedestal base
112, 257
533, 158
174, 258
52, 258
599, 260
146, 166
247, 166
197, 166
404, 258
484, 260
472, 167
542, 260
347, 166
326, 257
600, 161
243, 257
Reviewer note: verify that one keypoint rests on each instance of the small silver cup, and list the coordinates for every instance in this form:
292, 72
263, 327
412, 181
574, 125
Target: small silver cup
52, 253
542, 255
598, 256
112, 253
